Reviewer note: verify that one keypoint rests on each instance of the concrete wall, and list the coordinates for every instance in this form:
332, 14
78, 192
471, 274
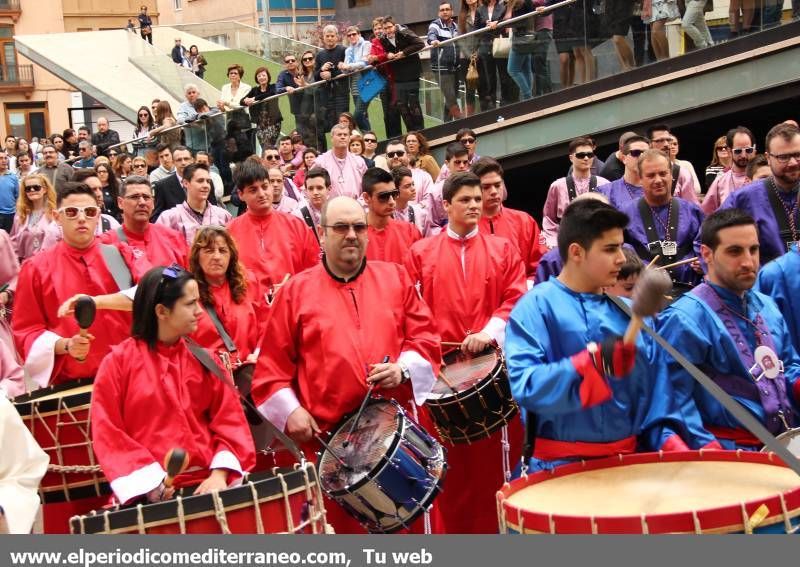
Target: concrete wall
198, 11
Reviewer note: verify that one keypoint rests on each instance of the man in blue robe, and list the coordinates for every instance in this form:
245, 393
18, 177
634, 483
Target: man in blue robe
773, 201
779, 280
662, 225
628, 187
591, 394
734, 334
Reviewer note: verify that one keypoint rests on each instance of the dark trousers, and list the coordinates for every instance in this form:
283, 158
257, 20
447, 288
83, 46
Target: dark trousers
391, 114
541, 67
640, 36
408, 105
6, 221
148, 37
493, 74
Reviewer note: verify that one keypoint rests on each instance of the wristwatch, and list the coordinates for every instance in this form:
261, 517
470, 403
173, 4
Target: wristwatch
404, 372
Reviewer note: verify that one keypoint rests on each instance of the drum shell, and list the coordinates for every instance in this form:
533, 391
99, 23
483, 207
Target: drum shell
393, 485
476, 412
287, 498
61, 426
783, 508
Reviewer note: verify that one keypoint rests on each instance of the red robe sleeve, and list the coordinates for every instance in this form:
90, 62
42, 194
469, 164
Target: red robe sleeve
419, 329
514, 285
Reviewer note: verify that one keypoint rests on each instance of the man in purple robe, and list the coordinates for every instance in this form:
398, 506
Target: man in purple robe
628, 187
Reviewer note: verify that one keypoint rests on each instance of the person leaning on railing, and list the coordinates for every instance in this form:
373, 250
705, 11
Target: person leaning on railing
266, 116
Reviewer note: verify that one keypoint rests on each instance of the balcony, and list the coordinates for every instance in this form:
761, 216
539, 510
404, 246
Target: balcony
10, 8
16, 78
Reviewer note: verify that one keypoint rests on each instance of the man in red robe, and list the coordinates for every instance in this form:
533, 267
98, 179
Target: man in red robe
319, 357
471, 280
151, 244
272, 245
517, 226
53, 348
389, 239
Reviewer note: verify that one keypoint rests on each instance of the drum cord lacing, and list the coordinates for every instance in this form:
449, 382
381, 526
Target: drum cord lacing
73, 468
219, 512
506, 454
256, 508
286, 504
426, 515
181, 517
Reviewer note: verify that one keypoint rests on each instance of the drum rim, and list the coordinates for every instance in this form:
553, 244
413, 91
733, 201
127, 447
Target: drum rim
713, 517
447, 400
377, 469
158, 513
502, 421
24, 403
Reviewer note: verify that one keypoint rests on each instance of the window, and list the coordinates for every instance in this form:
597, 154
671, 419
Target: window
8, 55
177, 4
26, 119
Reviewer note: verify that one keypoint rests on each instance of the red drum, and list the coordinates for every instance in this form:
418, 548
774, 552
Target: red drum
278, 501
655, 493
474, 398
58, 418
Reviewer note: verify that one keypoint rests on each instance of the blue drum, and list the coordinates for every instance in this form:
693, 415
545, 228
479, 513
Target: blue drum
387, 472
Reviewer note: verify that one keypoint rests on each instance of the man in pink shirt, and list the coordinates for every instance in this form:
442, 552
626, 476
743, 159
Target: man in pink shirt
397, 156
346, 169
564, 190
195, 211
408, 209
743, 147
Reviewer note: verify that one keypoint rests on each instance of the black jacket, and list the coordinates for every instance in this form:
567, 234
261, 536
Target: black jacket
409, 68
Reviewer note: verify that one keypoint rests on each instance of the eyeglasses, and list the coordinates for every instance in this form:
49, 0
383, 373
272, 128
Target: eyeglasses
308, 58
272, 157
785, 158
398, 153
466, 141
635, 153
146, 197
747, 150
386, 195
32, 188
292, 60
584, 155
722, 148
89, 212
344, 229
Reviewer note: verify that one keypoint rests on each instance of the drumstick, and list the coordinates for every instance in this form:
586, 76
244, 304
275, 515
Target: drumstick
653, 261
648, 299
175, 462
85, 311
446, 343
353, 427
332, 452
676, 264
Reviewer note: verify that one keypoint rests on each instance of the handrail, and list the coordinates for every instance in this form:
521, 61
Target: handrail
259, 30
505, 23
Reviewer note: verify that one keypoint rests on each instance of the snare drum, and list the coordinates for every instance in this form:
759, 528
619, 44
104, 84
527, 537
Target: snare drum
396, 468
479, 402
278, 501
58, 418
791, 440
651, 493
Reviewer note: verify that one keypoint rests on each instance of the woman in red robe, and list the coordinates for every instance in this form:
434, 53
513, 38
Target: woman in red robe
152, 394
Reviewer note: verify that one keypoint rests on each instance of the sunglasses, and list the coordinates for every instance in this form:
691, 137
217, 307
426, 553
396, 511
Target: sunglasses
722, 148
172, 272
308, 58
386, 195
370, 141
344, 229
584, 155
467, 140
89, 212
290, 60
740, 151
33, 188
135, 165
635, 153
352, 34
398, 153
272, 158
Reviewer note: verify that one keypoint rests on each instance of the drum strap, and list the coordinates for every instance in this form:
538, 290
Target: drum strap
737, 410
530, 438
116, 265
223, 334
205, 359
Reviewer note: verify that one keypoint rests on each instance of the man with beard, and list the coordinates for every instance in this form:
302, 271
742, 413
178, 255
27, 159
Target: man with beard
773, 202
742, 144
736, 335
319, 357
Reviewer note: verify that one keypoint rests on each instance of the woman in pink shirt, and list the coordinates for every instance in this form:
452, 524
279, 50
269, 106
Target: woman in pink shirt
35, 207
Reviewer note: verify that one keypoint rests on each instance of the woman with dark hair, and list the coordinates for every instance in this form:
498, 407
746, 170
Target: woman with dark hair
417, 147
306, 119
155, 392
309, 157
123, 165
145, 123
197, 61
110, 189
265, 115
166, 119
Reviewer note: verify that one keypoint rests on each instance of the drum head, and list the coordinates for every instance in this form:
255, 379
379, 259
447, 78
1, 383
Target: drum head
464, 370
362, 451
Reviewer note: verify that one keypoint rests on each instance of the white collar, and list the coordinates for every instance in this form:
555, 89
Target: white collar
455, 236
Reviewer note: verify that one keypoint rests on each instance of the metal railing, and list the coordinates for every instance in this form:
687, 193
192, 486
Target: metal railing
347, 76
16, 75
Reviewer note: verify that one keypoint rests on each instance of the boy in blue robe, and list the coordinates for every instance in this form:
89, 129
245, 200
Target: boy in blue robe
591, 394
779, 280
734, 334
